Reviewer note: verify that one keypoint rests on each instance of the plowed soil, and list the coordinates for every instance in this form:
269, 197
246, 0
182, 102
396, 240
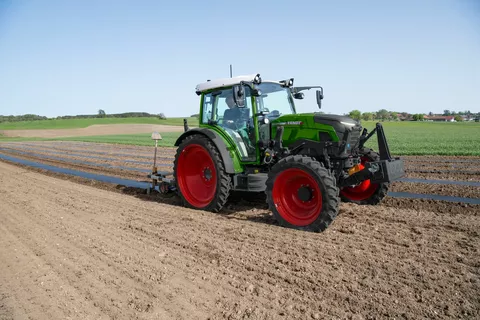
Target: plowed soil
71, 248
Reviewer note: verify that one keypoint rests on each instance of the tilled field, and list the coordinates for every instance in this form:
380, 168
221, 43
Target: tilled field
73, 250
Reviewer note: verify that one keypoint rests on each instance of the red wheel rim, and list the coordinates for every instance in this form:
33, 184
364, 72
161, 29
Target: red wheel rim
363, 191
289, 204
196, 175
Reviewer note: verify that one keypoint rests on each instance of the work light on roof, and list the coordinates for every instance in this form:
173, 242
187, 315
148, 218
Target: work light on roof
287, 82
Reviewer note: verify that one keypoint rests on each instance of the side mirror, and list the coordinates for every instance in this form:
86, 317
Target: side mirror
239, 95
299, 95
319, 98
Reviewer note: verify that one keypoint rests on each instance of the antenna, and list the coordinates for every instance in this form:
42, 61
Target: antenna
230, 71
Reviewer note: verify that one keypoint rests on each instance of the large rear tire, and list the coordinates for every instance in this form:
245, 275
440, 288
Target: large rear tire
366, 193
302, 194
200, 176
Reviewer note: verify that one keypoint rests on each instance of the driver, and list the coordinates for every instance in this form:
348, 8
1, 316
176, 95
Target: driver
233, 112
237, 119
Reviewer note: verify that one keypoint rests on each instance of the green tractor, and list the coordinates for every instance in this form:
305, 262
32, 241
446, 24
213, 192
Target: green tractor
250, 138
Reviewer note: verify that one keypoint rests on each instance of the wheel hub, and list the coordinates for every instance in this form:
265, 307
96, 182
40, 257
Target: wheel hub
207, 174
304, 193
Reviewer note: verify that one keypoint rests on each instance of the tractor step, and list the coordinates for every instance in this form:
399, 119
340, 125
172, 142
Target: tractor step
254, 182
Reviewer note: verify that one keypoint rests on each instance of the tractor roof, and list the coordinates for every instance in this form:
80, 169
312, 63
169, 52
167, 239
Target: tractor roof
226, 82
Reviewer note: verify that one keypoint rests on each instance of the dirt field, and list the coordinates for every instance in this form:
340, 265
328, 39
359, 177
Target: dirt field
76, 249
94, 130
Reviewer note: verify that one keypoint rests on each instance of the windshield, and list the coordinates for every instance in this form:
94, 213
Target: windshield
275, 99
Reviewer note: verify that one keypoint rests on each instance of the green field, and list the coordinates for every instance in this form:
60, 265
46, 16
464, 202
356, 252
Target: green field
430, 138
83, 123
404, 138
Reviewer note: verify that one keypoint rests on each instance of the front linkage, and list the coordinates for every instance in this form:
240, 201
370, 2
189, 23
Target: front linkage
387, 169
333, 156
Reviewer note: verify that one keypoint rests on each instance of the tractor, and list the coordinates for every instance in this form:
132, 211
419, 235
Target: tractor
251, 139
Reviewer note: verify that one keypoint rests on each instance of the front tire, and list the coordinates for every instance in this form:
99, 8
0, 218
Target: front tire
200, 176
366, 193
302, 194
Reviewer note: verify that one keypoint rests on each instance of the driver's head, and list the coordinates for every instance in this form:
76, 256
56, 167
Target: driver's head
230, 101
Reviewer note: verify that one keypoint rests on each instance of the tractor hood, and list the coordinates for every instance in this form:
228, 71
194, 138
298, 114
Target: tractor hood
339, 123
315, 126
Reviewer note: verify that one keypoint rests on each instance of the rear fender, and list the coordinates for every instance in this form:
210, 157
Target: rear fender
217, 140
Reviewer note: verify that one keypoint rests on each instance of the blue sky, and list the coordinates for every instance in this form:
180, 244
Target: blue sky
75, 57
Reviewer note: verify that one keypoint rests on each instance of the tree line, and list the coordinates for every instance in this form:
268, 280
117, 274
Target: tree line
101, 114
25, 117
381, 114
385, 115
460, 113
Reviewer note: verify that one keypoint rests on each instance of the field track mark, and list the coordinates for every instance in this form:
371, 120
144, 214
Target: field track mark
144, 185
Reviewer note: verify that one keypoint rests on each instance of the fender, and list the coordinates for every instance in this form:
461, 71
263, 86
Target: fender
217, 141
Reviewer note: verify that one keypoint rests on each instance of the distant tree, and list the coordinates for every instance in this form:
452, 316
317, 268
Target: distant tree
383, 114
418, 117
355, 114
446, 112
458, 118
453, 113
162, 116
394, 115
101, 113
430, 113
367, 116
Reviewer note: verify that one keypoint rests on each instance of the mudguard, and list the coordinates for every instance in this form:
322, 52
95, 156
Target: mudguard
217, 140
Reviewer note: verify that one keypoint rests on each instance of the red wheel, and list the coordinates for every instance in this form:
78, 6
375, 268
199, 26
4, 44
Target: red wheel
200, 175
366, 192
302, 193
197, 178
297, 197
363, 191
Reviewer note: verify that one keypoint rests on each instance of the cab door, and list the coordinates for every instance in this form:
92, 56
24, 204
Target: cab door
236, 122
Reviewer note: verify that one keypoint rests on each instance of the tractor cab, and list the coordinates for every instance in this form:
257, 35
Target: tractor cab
241, 109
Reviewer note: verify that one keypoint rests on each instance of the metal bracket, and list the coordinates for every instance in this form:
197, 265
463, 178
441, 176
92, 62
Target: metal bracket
382, 144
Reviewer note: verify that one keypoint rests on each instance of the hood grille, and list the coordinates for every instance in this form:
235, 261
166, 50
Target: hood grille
354, 137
